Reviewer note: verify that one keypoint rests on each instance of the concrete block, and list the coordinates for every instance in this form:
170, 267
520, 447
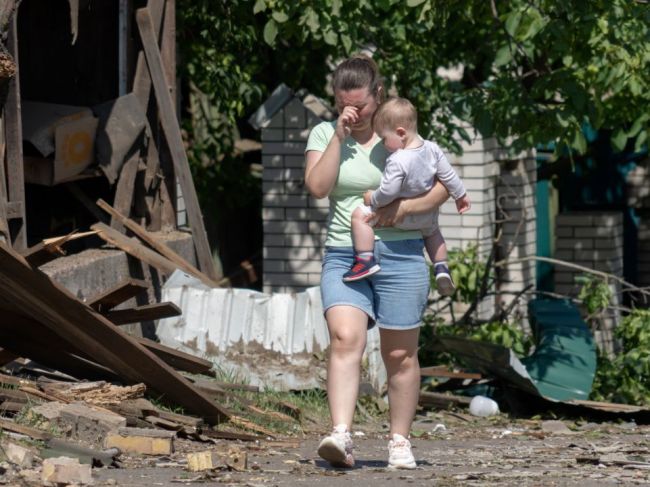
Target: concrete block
80, 421
141, 441
302, 266
229, 457
18, 455
64, 470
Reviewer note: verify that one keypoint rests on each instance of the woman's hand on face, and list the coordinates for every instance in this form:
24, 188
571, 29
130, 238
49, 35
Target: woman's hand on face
391, 214
347, 118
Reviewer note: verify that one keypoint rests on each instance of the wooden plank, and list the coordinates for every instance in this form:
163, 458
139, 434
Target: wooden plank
29, 338
134, 248
148, 312
177, 359
175, 142
118, 294
47, 302
51, 248
125, 186
9, 425
442, 401
156, 244
14, 141
443, 371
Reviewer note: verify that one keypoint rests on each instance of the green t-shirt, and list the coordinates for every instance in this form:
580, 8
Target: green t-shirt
360, 170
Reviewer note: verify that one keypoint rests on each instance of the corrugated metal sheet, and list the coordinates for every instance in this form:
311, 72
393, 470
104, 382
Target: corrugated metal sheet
275, 340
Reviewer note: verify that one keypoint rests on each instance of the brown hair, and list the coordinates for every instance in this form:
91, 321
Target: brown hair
358, 71
393, 113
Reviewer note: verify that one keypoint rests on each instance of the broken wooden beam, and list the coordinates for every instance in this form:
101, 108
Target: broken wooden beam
51, 248
141, 441
6, 424
175, 143
443, 371
178, 359
147, 312
117, 295
442, 401
156, 244
134, 248
45, 301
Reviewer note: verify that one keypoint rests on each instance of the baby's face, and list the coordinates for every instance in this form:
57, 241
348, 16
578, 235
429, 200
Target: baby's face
391, 140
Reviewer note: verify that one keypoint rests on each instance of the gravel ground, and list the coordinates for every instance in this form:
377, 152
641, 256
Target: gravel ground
451, 449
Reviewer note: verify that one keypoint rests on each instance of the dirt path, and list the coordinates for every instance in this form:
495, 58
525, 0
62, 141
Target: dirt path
466, 451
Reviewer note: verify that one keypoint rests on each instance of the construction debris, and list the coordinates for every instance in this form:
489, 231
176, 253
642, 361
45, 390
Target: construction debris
231, 457
141, 441
64, 470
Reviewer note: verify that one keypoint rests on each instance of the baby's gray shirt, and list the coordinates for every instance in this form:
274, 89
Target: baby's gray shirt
410, 172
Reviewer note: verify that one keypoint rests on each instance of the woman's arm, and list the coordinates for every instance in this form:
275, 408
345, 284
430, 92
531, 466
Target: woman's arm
322, 168
395, 212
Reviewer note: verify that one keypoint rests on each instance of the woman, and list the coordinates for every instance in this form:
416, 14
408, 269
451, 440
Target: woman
344, 159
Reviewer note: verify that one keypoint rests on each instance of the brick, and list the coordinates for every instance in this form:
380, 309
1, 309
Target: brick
275, 188
295, 135
285, 279
141, 441
80, 421
599, 232
287, 201
18, 455
274, 240
287, 253
574, 220
272, 134
64, 470
294, 114
576, 244
314, 214
283, 148
273, 161
564, 232
302, 266
273, 214
273, 265
305, 240
294, 161
231, 457
273, 174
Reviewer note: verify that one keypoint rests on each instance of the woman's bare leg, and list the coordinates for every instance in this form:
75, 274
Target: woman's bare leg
348, 328
399, 349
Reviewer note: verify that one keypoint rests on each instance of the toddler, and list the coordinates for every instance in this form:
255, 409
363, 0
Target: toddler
410, 170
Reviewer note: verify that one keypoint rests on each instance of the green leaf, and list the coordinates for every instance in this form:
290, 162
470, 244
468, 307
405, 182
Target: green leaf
330, 37
280, 17
640, 140
414, 3
260, 6
311, 19
336, 8
579, 142
512, 23
619, 139
270, 32
503, 56
347, 43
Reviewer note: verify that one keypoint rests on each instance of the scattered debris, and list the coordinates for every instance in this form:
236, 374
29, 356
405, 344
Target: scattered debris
64, 470
141, 441
230, 457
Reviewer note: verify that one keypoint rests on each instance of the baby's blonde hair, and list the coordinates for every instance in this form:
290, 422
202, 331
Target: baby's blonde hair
395, 112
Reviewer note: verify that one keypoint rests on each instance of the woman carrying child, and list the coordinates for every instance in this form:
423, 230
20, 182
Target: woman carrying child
344, 159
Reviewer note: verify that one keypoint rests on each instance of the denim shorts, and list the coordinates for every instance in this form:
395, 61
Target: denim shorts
394, 298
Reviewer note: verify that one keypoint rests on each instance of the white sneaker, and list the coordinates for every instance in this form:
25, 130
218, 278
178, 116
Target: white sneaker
399, 453
337, 448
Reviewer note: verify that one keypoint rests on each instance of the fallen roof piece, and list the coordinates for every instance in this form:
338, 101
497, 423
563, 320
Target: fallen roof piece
45, 301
